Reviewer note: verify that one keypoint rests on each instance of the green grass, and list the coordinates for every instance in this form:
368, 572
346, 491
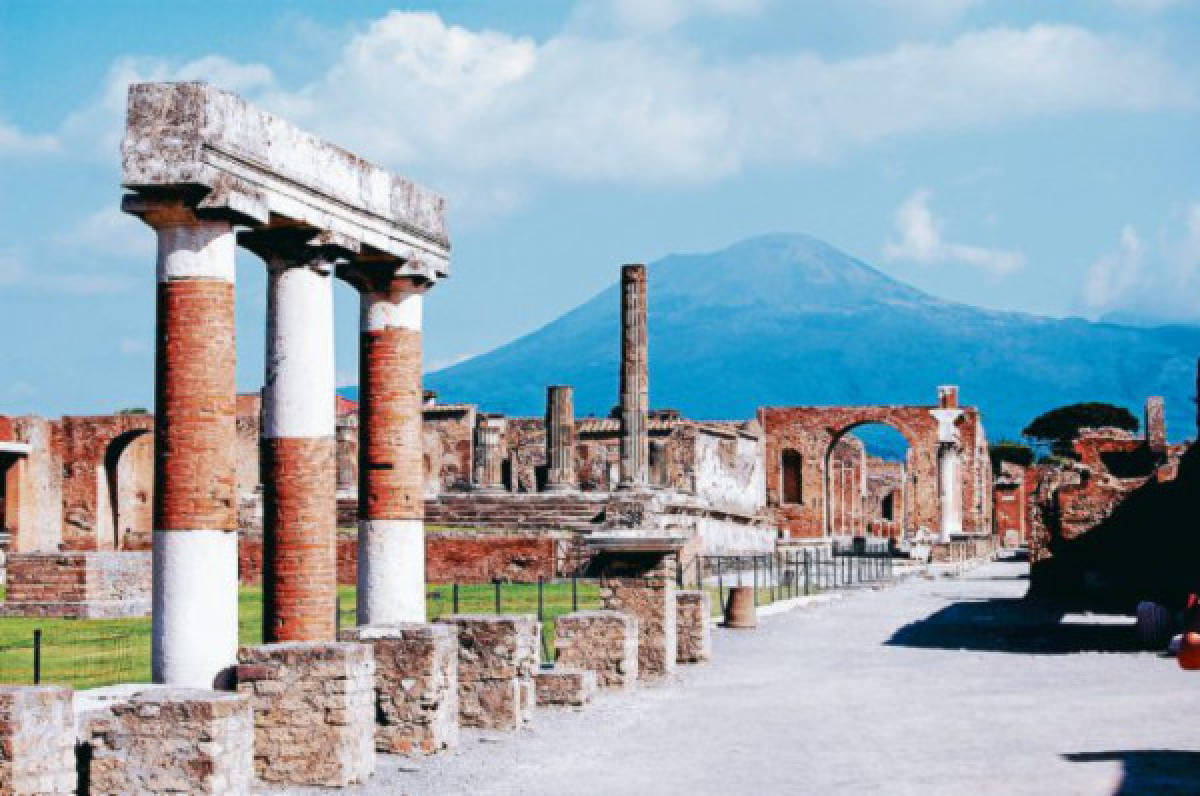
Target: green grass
87, 653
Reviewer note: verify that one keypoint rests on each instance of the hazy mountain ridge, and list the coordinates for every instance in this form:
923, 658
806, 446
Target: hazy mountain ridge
788, 319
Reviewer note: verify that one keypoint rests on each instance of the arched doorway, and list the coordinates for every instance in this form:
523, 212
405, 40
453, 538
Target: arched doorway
124, 515
868, 477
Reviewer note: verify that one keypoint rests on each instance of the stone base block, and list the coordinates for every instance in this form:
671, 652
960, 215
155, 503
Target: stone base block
416, 685
85, 585
652, 601
497, 658
37, 740
168, 740
693, 631
603, 642
314, 711
562, 686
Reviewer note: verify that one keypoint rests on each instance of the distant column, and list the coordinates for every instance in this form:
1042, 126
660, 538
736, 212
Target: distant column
195, 619
489, 454
949, 490
1156, 423
948, 396
560, 438
635, 397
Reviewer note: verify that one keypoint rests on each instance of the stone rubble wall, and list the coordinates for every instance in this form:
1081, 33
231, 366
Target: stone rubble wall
314, 711
169, 740
693, 631
497, 659
564, 686
416, 685
652, 600
603, 642
37, 740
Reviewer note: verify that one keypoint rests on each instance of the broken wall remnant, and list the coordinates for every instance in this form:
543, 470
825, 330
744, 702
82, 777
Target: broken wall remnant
497, 658
37, 740
604, 642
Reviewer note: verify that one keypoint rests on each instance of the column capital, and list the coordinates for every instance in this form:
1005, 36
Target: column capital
180, 207
297, 247
385, 276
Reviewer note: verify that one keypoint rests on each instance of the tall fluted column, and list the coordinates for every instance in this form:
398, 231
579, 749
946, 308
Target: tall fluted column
560, 438
489, 453
635, 397
391, 507
195, 581
299, 449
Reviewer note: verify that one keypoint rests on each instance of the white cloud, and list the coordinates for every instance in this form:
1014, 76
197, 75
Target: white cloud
921, 241
14, 142
109, 233
133, 346
1111, 277
16, 274
1145, 6
660, 15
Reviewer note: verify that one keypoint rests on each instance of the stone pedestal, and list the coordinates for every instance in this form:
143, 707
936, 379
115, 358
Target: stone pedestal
603, 642
37, 740
314, 711
564, 686
497, 658
652, 600
693, 631
169, 740
83, 585
416, 685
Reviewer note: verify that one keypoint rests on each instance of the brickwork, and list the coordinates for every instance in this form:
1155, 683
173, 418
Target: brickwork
391, 468
89, 585
300, 565
101, 457
196, 424
497, 658
314, 711
564, 687
652, 600
603, 642
478, 557
416, 685
169, 740
693, 630
33, 483
37, 740
447, 442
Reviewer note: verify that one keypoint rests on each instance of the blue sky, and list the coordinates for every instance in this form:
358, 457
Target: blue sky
1036, 156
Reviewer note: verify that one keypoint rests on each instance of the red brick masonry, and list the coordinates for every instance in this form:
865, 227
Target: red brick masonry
391, 469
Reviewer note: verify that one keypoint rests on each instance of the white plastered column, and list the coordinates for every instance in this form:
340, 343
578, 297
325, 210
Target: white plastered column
298, 397
949, 490
391, 552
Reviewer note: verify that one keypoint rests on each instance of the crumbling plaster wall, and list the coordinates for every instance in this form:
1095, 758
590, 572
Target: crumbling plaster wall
39, 483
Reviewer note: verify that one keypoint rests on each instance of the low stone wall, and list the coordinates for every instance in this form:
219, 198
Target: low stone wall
37, 740
416, 685
693, 631
497, 658
168, 740
314, 711
652, 600
603, 642
481, 556
968, 549
564, 686
82, 585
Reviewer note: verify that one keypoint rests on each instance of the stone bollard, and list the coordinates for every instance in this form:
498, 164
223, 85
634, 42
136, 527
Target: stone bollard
416, 685
693, 631
564, 686
497, 658
167, 740
652, 600
37, 740
314, 711
604, 642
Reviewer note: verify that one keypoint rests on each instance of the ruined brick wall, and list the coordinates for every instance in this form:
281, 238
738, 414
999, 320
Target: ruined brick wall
91, 585
525, 446
447, 433
727, 468
1010, 512
478, 557
34, 485
603, 642
497, 658
249, 430
885, 489
108, 481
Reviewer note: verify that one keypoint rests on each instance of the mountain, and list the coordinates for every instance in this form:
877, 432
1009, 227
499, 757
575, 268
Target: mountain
788, 319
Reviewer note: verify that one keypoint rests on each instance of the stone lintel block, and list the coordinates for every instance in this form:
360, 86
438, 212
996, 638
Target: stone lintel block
693, 630
314, 711
497, 658
603, 642
565, 686
168, 740
416, 685
37, 739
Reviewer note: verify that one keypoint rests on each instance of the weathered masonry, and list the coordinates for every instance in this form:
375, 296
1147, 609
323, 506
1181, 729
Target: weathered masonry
201, 163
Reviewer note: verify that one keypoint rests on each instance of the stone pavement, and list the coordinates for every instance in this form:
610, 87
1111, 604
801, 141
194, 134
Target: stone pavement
945, 685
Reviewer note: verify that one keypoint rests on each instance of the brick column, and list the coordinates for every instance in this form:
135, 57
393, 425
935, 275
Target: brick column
634, 399
489, 453
391, 506
195, 435
560, 438
298, 446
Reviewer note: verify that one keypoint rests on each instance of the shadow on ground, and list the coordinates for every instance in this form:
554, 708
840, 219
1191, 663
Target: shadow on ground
1150, 770
1015, 625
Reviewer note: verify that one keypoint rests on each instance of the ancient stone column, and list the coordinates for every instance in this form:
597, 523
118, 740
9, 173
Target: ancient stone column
560, 438
635, 397
391, 507
298, 447
1156, 423
347, 453
949, 490
488, 473
195, 624
948, 396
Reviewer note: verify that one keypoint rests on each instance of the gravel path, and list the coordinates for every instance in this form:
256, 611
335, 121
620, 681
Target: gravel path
945, 685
